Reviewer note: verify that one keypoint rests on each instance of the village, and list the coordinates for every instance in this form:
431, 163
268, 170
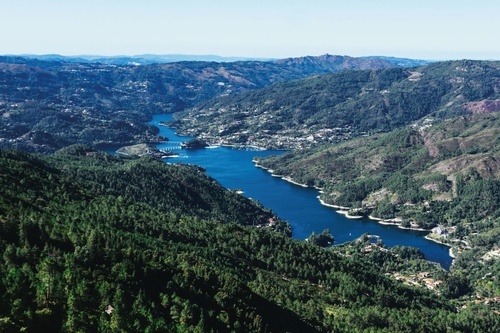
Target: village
258, 131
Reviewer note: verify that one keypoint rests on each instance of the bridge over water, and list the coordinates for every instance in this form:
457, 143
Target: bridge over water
171, 145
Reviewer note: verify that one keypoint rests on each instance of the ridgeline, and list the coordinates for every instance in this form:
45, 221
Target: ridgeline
336, 107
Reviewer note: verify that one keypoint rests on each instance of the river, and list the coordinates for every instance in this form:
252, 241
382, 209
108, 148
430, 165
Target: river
299, 206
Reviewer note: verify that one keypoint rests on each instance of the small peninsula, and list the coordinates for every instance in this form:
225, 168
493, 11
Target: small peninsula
143, 150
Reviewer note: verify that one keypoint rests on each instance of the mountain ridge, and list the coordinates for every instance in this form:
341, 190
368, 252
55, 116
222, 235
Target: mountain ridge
339, 106
148, 59
46, 105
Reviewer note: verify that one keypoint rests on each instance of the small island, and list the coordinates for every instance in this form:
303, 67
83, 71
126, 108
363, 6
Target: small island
194, 144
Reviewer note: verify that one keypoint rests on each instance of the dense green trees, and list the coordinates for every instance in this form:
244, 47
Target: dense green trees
82, 252
324, 239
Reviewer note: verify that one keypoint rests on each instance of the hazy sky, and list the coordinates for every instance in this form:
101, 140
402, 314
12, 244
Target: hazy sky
426, 29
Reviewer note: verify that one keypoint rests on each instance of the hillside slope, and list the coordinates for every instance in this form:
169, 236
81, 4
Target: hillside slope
339, 106
432, 157
79, 257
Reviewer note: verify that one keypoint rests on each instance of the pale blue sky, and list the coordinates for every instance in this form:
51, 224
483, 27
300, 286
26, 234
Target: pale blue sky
425, 29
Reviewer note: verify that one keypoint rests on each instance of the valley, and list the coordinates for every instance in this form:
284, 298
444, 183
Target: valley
94, 242
46, 105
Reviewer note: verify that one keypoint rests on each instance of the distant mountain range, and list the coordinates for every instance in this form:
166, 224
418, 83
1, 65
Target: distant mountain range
142, 59
337, 62
148, 59
49, 104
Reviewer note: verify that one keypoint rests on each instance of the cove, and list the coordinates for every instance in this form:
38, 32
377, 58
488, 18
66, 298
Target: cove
297, 205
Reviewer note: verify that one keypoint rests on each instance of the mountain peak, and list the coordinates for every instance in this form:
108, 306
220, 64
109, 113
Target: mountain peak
331, 62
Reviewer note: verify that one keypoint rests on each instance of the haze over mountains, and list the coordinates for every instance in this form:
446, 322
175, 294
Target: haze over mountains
148, 59
142, 59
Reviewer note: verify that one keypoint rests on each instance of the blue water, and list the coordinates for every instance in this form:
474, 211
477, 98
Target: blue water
297, 205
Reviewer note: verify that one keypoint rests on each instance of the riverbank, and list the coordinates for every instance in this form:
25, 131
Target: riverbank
395, 222
345, 210
450, 252
290, 180
432, 239
332, 206
450, 247
347, 215
285, 178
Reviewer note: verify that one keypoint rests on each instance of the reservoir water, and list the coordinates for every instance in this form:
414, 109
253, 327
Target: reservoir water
299, 206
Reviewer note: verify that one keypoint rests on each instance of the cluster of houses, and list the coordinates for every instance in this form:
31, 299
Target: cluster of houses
440, 231
421, 279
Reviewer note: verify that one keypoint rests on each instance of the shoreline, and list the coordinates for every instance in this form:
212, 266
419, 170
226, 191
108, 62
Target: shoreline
290, 180
285, 178
244, 147
394, 223
346, 214
450, 248
319, 189
452, 254
436, 241
256, 163
332, 206
411, 228
345, 210
353, 217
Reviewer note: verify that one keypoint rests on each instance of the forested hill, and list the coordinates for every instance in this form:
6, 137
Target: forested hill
45, 105
78, 257
338, 106
424, 164
178, 189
